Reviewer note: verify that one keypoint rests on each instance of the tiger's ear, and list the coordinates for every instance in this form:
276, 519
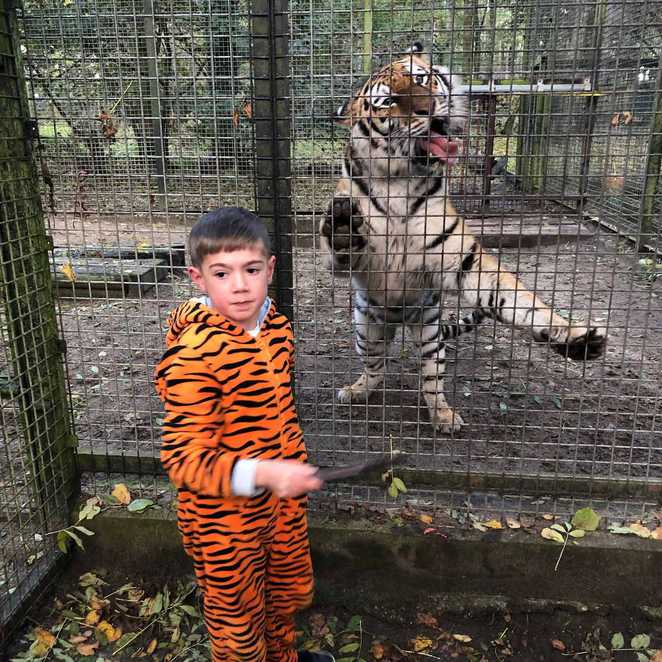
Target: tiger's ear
342, 115
416, 47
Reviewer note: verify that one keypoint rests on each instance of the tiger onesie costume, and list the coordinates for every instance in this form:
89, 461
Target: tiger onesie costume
391, 225
227, 397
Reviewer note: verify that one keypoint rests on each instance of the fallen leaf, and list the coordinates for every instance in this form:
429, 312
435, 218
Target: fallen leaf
586, 518
657, 534
138, 505
550, 534
68, 271
151, 647
121, 493
90, 579
44, 641
558, 645
87, 649
92, 618
548, 516
421, 644
112, 633
493, 524
426, 519
640, 530
427, 619
464, 638
513, 523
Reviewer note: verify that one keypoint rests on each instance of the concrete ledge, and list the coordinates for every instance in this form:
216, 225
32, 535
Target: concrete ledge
358, 561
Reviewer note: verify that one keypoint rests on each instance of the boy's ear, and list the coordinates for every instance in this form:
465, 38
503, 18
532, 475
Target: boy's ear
196, 277
271, 264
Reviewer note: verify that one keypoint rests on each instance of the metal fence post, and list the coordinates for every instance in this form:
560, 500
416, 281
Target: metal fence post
271, 117
27, 296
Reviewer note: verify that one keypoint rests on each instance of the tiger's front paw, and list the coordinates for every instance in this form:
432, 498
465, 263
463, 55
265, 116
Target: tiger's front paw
583, 344
342, 224
446, 420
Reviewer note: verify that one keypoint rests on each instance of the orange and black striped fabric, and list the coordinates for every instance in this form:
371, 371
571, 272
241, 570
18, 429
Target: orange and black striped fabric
227, 397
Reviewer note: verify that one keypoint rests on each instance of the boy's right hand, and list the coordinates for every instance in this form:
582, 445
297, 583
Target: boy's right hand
287, 478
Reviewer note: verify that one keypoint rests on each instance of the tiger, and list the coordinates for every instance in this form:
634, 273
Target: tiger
391, 225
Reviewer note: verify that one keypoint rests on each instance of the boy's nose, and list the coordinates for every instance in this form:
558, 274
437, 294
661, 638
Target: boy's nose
239, 281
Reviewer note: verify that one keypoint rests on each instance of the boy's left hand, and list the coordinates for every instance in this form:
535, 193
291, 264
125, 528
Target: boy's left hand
287, 478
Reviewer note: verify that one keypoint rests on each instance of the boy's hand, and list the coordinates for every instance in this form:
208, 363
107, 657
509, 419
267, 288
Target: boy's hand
287, 478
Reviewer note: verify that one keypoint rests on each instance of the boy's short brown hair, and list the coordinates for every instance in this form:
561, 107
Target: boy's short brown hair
226, 229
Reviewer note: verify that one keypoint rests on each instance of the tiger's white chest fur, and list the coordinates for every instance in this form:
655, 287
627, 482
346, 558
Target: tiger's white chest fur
403, 220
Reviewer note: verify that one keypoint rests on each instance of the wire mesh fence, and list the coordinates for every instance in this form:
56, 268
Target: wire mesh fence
151, 113
36, 449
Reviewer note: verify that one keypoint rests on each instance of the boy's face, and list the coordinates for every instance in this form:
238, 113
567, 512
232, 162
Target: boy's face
236, 282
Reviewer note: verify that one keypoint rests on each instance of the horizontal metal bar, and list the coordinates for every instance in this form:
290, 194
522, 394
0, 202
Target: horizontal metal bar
567, 486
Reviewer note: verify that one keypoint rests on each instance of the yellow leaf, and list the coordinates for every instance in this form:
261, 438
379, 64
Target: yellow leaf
44, 641
142, 245
426, 519
513, 523
493, 524
640, 530
464, 638
152, 646
550, 534
657, 534
68, 270
422, 643
121, 493
112, 633
92, 618
548, 516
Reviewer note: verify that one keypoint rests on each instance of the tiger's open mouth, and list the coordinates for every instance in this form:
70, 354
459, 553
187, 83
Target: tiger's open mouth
438, 144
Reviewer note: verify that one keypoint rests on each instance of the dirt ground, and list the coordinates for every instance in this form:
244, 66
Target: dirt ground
104, 613
527, 410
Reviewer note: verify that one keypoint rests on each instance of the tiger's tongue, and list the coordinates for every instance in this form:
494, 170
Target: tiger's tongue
441, 147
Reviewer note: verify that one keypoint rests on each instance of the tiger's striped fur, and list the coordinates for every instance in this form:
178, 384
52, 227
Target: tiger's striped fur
392, 226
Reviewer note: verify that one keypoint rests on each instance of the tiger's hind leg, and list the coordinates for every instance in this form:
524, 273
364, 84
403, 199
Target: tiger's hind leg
430, 337
372, 337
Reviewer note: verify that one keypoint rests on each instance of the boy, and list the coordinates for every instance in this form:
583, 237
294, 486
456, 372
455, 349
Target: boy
233, 446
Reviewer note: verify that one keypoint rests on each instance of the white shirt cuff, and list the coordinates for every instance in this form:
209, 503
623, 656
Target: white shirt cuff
243, 478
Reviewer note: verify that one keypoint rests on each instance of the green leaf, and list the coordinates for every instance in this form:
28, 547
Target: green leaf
90, 579
191, 611
75, 538
503, 407
350, 648
138, 505
354, 623
392, 490
578, 533
83, 530
537, 399
617, 640
401, 487
587, 519
63, 542
557, 401
559, 527
346, 659
640, 641
641, 657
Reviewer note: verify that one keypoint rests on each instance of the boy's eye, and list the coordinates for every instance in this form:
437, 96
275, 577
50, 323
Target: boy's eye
220, 274
253, 270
